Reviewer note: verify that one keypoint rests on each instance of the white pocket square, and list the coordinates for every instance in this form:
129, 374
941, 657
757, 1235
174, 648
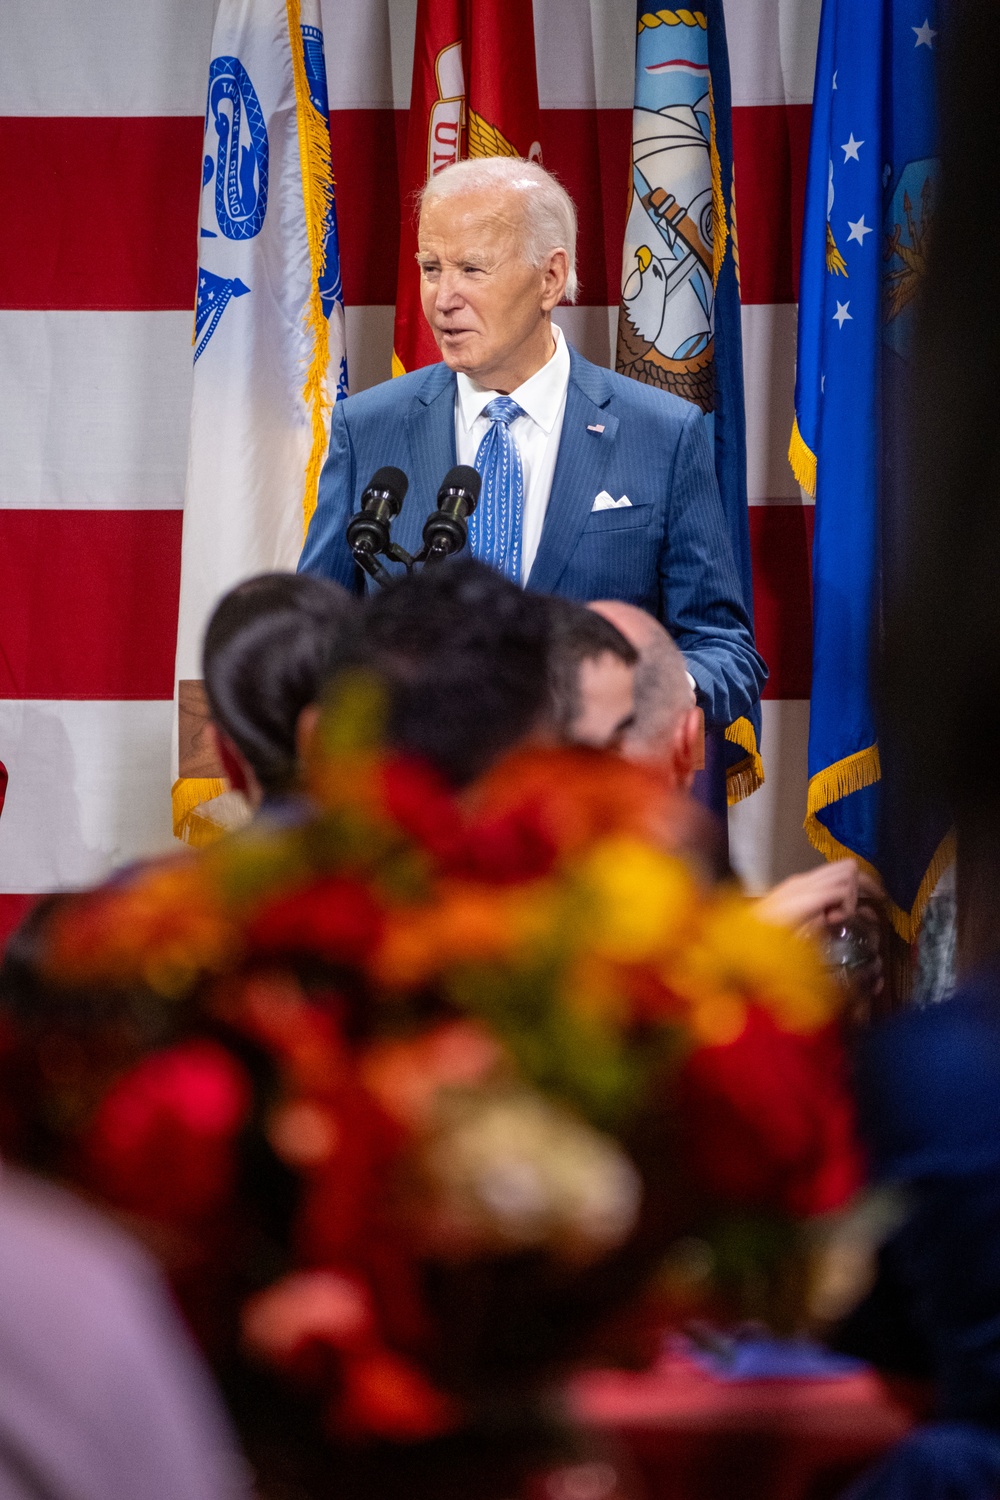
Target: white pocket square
605, 502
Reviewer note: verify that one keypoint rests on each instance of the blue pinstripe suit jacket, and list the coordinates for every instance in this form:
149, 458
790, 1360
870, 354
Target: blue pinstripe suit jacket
669, 552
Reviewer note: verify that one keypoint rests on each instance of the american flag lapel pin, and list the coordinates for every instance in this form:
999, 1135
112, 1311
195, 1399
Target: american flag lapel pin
595, 427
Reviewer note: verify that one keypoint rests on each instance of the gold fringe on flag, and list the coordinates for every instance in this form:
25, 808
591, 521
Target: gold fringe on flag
186, 796
317, 196
747, 775
398, 368
853, 774
803, 460
720, 230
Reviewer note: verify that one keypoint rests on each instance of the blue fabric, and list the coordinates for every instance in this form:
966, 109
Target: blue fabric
495, 525
668, 552
929, 1090
943, 1461
869, 196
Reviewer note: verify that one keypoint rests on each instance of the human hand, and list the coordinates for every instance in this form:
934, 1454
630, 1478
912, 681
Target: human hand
817, 899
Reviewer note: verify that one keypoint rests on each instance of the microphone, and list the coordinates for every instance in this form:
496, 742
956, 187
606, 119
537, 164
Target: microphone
446, 528
368, 529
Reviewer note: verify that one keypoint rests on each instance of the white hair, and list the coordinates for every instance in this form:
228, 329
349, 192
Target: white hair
549, 215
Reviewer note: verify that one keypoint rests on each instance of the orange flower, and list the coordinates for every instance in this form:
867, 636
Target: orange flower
576, 796
161, 928
467, 923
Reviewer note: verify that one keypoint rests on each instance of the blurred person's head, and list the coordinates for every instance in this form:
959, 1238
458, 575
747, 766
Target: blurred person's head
266, 656
591, 677
461, 654
667, 724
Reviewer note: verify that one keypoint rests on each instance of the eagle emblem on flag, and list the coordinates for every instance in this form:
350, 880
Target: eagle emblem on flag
666, 320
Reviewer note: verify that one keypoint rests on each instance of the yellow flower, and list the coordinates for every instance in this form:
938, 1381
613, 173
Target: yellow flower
738, 956
642, 900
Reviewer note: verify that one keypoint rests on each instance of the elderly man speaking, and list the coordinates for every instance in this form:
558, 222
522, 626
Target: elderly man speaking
594, 486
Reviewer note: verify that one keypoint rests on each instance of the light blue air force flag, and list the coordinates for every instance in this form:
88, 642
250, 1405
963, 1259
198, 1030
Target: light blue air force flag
269, 346
869, 207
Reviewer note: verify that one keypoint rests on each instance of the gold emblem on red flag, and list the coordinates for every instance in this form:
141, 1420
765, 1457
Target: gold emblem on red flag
447, 114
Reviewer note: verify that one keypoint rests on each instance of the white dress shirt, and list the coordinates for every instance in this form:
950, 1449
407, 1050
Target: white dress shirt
543, 400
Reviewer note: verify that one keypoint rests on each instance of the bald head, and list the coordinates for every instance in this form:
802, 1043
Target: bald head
664, 698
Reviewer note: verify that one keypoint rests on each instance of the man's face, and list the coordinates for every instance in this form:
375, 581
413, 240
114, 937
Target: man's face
481, 298
607, 702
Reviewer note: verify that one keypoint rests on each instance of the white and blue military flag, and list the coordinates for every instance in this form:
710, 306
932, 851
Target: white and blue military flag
269, 345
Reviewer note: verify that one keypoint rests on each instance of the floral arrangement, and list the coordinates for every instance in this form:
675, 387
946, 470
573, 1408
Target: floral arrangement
497, 1029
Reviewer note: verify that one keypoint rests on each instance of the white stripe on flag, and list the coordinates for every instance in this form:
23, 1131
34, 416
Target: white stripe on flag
769, 385
766, 837
89, 790
772, 51
104, 57
95, 409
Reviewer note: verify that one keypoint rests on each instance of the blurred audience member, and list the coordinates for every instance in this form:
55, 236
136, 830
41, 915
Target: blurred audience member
667, 729
462, 654
102, 1395
592, 677
667, 726
266, 655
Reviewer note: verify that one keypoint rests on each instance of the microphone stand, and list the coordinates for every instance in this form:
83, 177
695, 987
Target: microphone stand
366, 558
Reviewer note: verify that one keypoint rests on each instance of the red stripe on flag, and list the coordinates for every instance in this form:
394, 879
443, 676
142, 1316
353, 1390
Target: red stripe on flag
102, 213
88, 603
781, 548
99, 213
770, 153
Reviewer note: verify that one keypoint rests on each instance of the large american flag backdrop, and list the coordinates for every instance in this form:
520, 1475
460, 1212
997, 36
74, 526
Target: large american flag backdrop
101, 121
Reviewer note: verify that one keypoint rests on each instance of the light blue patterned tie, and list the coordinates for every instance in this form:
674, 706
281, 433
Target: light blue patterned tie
495, 524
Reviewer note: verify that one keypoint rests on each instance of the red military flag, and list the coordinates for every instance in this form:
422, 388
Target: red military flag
474, 93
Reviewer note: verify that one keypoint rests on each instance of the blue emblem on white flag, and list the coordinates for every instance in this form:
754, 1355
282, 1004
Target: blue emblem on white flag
214, 293
241, 156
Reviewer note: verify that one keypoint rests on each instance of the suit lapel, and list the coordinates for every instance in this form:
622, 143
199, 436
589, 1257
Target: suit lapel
580, 466
431, 429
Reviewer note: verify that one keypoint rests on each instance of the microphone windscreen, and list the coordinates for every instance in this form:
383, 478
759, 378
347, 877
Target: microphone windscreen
463, 477
392, 479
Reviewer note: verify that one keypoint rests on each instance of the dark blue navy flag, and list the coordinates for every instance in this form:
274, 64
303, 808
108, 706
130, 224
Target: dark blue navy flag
679, 320
869, 208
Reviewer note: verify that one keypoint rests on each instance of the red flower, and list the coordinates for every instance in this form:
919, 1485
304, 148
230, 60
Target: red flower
769, 1120
508, 849
387, 1396
334, 918
418, 800
162, 1142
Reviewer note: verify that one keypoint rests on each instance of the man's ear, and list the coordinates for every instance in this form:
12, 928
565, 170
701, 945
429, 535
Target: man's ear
305, 731
555, 276
231, 760
688, 746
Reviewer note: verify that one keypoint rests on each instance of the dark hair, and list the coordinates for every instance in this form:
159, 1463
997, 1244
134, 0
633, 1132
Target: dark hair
266, 655
461, 652
576, 635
